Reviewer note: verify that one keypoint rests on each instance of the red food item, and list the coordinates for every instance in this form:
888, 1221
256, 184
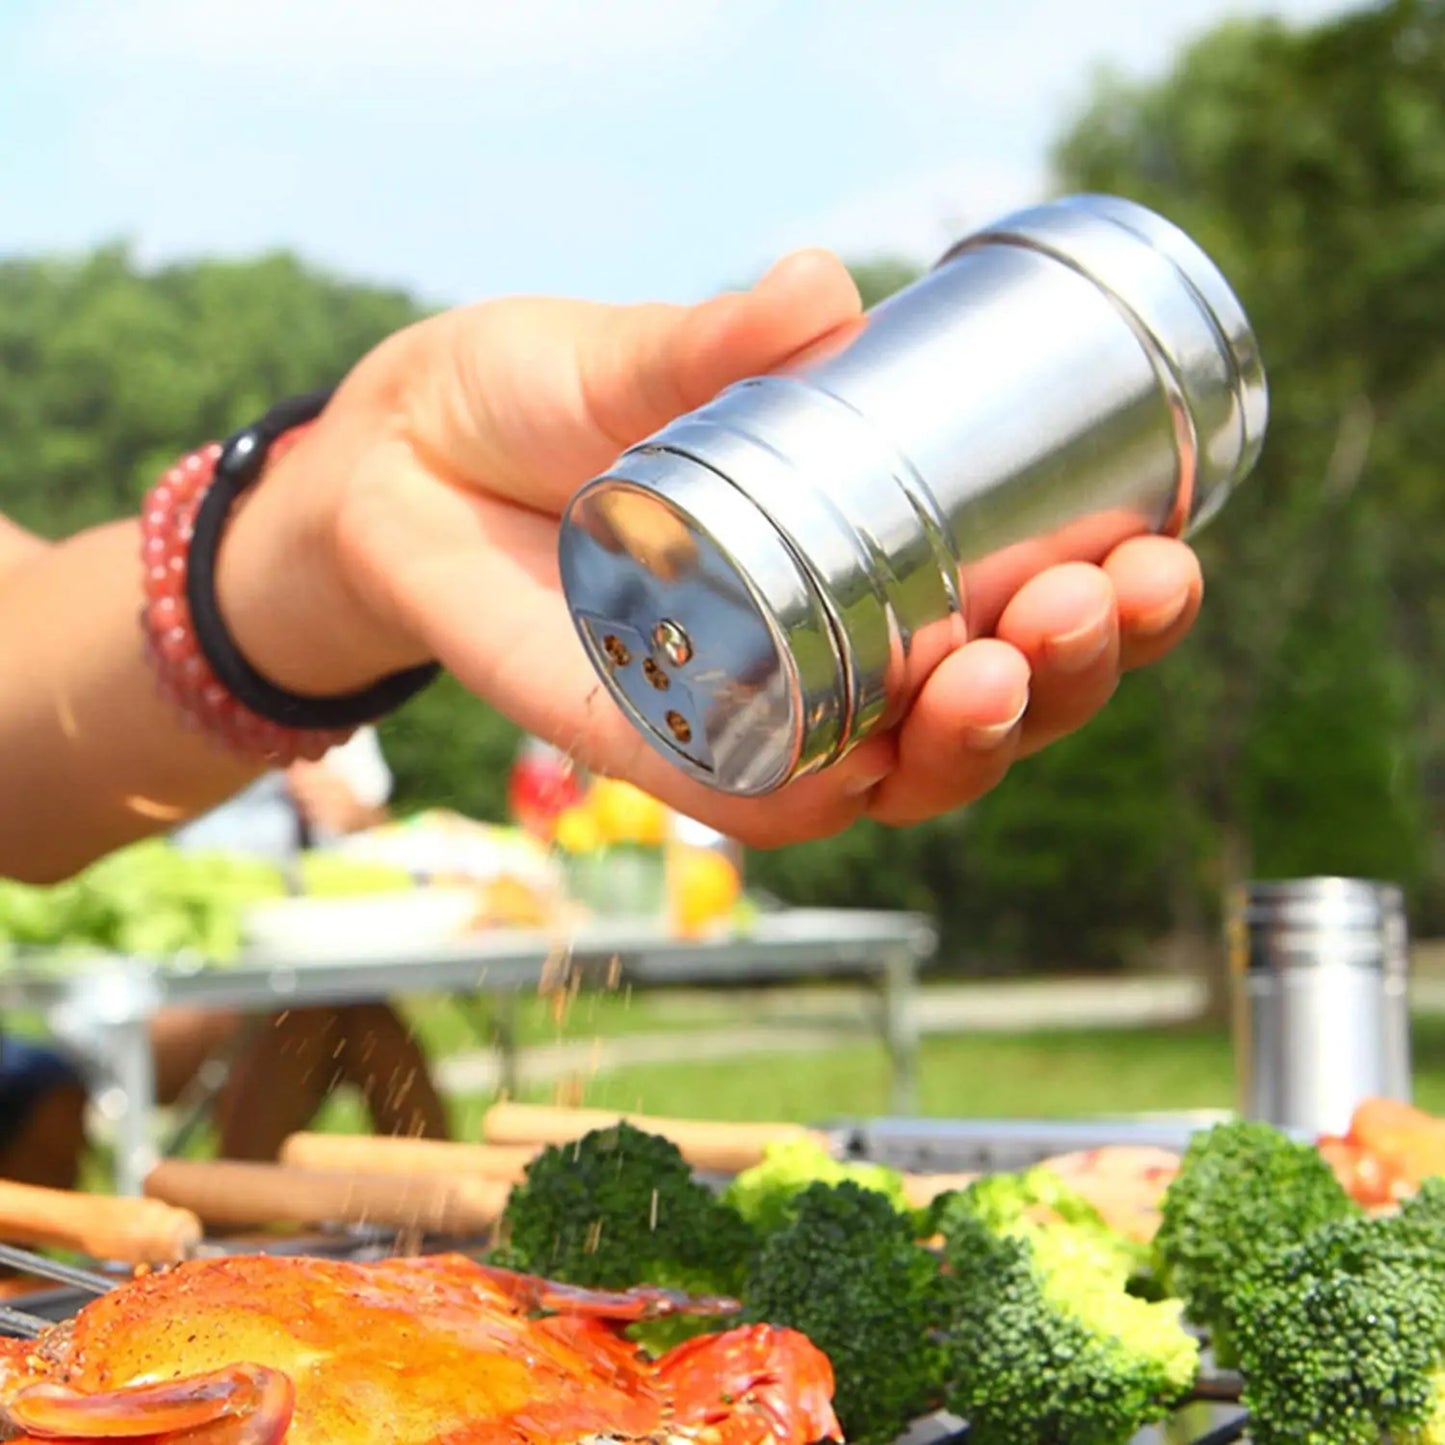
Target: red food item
1408, 1143
1126, 1183
542, 784
1364, 1177
255, 1350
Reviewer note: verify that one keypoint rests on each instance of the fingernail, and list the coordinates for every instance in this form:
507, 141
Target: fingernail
1161, 619
1082, 648
995, 735
780, 272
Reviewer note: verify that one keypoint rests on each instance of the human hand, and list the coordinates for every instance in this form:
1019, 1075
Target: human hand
418, 520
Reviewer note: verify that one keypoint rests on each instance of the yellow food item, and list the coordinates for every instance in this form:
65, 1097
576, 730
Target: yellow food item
514, 903
625, 814
577, 830
703, 887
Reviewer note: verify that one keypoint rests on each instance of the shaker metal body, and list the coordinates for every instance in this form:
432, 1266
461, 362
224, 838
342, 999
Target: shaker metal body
769, 578
1321, 976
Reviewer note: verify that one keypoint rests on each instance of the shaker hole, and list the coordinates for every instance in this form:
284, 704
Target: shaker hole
681, 728
655, 675
616, 651
675, 644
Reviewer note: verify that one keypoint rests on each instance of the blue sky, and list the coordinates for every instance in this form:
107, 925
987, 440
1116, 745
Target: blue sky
617, 149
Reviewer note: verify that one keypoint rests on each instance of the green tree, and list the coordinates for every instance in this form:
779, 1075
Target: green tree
108, 371
1311, 164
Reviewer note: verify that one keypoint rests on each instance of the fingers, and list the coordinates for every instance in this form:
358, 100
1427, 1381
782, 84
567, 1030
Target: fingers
642, 366
477, 581
1065, 622
1159, 587
531, 396
960, 736
1061, 645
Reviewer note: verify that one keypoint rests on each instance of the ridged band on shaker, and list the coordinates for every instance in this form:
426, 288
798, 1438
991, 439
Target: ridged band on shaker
742, 434
1158, 267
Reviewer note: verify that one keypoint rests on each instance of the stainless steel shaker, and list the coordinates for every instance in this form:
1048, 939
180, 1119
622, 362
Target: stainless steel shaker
1321, 991
768, 579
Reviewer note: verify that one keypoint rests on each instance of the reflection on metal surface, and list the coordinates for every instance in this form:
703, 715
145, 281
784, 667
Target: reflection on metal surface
1320, 969
1074, 375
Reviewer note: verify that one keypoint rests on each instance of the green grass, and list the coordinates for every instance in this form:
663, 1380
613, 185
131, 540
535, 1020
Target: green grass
1039, 1075
445, 1026
1047, 1074
1025, 1075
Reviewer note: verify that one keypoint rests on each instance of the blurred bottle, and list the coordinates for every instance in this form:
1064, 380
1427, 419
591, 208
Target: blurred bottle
543, 783
704, 879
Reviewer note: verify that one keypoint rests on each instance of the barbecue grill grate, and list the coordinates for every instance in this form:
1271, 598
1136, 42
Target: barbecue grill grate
75, 1286
922, 1145
1226, 1434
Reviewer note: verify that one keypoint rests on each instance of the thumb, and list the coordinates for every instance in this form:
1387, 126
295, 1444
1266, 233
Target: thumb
642, 366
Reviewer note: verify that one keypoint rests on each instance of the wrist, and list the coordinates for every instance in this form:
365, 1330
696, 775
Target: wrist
282, 584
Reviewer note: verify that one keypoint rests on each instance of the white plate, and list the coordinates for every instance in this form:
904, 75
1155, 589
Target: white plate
370, 923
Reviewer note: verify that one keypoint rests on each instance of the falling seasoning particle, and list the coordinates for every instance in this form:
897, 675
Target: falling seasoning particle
652, 1213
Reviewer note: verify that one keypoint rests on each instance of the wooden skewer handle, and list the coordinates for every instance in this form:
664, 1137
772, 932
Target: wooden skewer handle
130, 1231
922, 1189
369, 1154
234, 1194
726, 1148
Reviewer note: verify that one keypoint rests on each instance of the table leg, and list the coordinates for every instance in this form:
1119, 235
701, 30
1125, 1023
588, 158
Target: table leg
132, 1067
504, 1024
900, 1028
495, 1021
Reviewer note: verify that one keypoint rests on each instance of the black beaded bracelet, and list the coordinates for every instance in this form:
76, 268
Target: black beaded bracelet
239, 465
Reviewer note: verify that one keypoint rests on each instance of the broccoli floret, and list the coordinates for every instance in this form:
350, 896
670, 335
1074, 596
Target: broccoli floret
1421, 1219
846, 1271
1001, 1200
1045, 1343
1341, 1338
1008, 1203
764, 1194
1243, 1190
619, 1208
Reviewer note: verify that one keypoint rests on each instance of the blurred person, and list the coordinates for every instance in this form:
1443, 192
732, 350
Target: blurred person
43, 1099
286, 1066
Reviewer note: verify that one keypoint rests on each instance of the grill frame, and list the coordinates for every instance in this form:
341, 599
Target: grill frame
917, 1145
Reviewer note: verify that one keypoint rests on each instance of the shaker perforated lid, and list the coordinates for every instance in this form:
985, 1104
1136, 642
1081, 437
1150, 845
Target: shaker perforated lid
707, 627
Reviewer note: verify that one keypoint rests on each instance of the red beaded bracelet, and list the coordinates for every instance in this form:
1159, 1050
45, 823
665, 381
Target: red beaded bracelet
183, 676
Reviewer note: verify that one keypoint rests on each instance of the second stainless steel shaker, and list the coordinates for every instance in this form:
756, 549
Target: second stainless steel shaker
769, 578
1322, 1015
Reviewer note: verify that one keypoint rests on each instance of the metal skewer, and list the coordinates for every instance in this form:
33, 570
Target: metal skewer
37, 1264
17, 1322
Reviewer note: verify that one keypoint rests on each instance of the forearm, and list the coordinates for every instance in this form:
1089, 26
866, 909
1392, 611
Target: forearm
90, 757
